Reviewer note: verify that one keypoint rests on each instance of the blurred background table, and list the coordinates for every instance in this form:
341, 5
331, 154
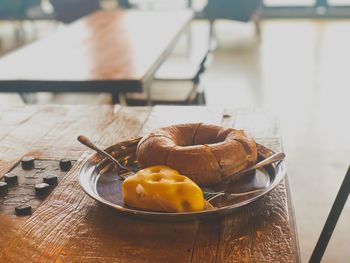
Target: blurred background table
70, 226
107, 51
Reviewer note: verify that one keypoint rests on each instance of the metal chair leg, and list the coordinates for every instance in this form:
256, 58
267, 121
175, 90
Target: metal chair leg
28, 97
212, 38
332, 220
257, 19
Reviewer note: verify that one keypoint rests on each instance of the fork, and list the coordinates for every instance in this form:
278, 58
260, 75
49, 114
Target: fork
211, 196
84, 140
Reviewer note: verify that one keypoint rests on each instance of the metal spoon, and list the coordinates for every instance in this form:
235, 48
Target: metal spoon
84, 140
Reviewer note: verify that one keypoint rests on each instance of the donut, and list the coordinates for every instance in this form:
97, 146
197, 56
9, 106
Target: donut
205, 153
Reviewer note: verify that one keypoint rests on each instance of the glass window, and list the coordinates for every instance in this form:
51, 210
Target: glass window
292, 2
339, 2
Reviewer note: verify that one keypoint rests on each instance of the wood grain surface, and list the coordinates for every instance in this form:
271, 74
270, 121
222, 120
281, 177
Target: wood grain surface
109, 51
69, 226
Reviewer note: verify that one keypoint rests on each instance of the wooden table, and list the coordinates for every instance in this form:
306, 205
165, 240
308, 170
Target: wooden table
69, 226
108, 51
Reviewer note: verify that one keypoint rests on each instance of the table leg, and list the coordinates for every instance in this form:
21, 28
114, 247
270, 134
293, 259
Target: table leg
115, 97
212, 37
119, 98
28, 97
148, 94
332, 220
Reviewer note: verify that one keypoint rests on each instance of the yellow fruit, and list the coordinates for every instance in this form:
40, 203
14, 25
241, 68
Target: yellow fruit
160, 188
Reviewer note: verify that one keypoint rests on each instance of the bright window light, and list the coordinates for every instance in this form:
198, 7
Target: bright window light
292, 2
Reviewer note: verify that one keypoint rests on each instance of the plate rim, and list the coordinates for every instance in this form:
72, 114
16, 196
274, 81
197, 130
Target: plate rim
279, 171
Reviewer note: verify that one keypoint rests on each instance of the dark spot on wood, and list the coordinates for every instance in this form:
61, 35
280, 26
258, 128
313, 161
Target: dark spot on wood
22, 210
50, 179
65, 164
42, 188
3, 188
27, 163
11, 178
22, 191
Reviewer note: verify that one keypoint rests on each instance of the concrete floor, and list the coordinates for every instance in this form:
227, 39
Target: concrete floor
300, 72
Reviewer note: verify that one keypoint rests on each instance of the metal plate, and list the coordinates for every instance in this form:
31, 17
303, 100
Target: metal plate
98, 177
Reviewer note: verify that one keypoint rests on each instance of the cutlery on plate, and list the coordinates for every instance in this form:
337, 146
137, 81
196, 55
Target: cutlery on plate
279, 156
84, 140
210, 194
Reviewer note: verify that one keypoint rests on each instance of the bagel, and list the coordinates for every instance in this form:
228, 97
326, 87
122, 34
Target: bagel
205, 153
